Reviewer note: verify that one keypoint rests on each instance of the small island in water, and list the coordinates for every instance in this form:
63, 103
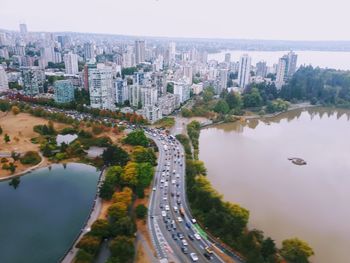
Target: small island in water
297, 161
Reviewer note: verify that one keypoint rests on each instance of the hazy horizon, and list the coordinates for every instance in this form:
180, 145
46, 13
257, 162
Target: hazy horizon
222, 19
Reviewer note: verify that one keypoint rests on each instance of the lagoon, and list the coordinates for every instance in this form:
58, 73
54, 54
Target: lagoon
248, 163
42, 216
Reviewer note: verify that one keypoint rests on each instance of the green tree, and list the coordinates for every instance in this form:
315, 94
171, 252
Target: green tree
117, 210
234, 100
141, 211
83, 257
124, 226
7, 138
89, 243
144, 155
208, 94
252, 98
296, 250
268, 248
122, 247
186, 113
115, 155
136, 137
222, 107
100, 228
170, 87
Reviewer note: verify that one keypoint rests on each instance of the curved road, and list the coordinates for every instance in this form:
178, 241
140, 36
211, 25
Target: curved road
165, 223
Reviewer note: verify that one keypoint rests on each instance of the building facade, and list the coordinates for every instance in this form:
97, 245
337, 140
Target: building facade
63, 91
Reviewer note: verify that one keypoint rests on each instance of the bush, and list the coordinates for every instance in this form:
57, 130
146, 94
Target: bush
89, 243
141, 211
83, 257
136, 137
68, 130
30, 157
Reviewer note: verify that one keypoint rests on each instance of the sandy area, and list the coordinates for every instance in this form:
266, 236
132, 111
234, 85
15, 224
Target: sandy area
20, 129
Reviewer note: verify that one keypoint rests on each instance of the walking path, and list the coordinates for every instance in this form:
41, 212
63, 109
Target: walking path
95, 212
43, 160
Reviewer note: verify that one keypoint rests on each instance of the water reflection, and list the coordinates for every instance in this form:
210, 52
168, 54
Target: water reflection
247, 162
314, 112
15, 182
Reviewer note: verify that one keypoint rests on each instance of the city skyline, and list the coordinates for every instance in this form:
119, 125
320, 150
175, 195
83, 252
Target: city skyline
195, 19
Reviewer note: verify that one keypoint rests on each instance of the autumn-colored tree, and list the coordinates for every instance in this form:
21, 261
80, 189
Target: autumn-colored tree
124, 196
15, 110
89, 243
100, 228
129, 176
117, 210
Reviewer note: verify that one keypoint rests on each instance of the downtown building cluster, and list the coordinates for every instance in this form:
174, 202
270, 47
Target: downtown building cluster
150, 77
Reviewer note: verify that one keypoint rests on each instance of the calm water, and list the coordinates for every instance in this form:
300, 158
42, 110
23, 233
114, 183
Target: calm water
248, 164
40, 219
323, 59
67, 138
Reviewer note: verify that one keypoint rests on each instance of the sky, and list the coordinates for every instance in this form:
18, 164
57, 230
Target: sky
240, 19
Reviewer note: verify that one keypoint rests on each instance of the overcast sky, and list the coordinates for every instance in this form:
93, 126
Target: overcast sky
248, 19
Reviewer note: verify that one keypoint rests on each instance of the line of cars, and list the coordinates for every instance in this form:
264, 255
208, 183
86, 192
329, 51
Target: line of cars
170, 203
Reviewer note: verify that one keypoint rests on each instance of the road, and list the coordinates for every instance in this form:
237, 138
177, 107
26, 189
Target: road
169, 190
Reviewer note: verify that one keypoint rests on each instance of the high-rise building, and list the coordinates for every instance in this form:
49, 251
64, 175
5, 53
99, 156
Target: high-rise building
101, 87
4, 85
244, 71
71, 63
286, 68
261, 69
140, 51
3, 40
121, 91
228, 58
172, 52
63, 91
282, 69
89, 51
33, 81
188, 73
23, 29
292, 63
149, 95
182, 90
222, 83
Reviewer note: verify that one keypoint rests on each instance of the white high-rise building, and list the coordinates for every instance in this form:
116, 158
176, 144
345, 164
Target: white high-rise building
281, 72
71, 63
172, 52
149, 96
101, 87
286, 68
140, 51
4, 85
182, 90
23, 29
222, 84
244, 71
89, 51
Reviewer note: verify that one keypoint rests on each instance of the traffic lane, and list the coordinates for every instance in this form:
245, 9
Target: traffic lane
167, 235
172, 201
202, 243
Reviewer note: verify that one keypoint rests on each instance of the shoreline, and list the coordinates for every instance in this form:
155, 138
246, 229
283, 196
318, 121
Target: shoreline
43, 163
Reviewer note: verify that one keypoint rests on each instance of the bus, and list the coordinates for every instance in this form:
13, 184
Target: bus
182, 211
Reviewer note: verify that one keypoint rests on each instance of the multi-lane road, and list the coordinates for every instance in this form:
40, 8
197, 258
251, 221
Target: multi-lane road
173, 230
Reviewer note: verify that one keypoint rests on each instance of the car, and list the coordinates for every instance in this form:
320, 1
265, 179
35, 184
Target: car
190, 237
208, 256
180, 235
176, 209
179, 219
168, 227
173, 226
174, 236
184, 242
184, 249
167, 208
178, 201
154, 189
197, 236
193, 221
194, 257
163, 213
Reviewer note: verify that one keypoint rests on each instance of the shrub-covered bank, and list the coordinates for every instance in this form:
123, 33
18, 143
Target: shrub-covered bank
229, 221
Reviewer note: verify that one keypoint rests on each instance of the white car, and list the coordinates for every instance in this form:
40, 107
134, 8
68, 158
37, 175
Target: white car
179, 219
163, 214
154, 188
176, 209
193, 221
194, 257
197, 236
167, 208
184, 242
